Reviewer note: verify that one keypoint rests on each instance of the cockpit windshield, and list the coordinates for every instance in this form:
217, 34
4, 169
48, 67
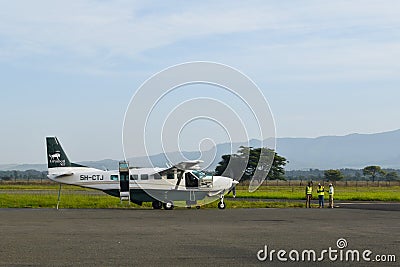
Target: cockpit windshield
199, 174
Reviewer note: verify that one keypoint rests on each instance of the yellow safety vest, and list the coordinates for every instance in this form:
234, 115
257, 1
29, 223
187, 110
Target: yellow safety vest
309, 190
320, 191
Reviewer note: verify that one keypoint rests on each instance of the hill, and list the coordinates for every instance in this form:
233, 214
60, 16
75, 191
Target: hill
325, 152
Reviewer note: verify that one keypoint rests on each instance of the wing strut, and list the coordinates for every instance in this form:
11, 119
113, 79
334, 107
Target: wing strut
179, 179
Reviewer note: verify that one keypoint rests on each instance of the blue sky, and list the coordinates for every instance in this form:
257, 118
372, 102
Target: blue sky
70, 68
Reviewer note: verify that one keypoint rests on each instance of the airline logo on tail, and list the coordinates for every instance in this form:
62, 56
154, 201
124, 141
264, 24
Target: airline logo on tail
55, 159
56, 156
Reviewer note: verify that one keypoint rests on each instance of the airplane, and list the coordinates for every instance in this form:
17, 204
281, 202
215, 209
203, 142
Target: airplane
161, 186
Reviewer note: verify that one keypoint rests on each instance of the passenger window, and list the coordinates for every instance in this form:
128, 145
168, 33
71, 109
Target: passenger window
170, 175
134, 177
157, 176
114, 177
124, 177
144, 177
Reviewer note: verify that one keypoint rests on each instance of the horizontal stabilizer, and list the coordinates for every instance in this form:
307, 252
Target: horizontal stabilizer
56, 156
59, 175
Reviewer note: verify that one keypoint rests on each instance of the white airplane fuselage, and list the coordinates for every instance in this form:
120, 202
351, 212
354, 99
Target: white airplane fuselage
109, 180
158, 185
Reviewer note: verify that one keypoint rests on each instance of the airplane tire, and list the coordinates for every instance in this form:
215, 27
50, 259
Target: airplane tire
221, 205
198, 207
157, 205
168, 205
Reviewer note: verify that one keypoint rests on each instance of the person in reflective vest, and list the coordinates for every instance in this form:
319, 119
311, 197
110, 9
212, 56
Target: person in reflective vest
331, 193
321, 194
308, 194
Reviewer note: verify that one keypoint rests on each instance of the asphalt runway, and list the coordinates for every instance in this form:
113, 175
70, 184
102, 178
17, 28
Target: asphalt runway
113, 237
367, 205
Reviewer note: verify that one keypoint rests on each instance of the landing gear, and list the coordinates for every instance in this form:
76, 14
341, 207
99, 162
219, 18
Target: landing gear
157, 205
221, 203
168, 205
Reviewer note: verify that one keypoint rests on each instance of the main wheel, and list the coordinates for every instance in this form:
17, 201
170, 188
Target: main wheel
221, 205
157, 205
168, 205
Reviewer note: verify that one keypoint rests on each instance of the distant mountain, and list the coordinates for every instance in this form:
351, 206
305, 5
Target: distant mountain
350, 151
326, 152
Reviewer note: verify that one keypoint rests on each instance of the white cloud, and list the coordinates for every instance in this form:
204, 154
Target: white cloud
125, 27
105, 31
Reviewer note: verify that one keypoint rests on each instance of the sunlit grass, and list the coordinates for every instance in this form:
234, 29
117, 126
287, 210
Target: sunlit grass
52, 186
341, 193
46, 197
94, 202
99, 201
67, 201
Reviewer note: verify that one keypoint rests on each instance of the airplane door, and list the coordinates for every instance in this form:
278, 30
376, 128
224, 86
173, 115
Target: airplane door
123, 177
191, 180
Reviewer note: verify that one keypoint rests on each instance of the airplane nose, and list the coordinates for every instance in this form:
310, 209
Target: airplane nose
223, 182
234, 182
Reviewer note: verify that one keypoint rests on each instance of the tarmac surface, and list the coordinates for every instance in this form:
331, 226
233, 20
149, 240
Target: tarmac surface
117, 237
367, 205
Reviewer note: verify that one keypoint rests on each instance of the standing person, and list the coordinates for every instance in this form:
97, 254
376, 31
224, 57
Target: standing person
321, 194
308, 194
331, 193
233, 190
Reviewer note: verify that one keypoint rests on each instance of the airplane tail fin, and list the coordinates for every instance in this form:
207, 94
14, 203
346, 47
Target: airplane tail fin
56, 156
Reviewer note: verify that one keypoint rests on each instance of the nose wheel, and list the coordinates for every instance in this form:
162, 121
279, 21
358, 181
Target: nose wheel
221, 203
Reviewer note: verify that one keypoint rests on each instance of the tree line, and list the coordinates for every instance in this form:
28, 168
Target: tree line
245, 163
277, 172
15, 175
369, 173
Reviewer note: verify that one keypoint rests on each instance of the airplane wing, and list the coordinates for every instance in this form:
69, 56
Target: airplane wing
188, 165
183, 166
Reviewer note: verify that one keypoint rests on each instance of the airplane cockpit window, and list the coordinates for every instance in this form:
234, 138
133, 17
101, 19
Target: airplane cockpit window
199, 174
204, 180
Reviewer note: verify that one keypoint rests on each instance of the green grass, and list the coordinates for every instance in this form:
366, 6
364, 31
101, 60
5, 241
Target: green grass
341, 193
50, 201
52, 186
89, 201
46, 197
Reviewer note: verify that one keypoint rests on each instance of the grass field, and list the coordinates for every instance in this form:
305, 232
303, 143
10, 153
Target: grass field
100, 201
45, 196
391, 193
